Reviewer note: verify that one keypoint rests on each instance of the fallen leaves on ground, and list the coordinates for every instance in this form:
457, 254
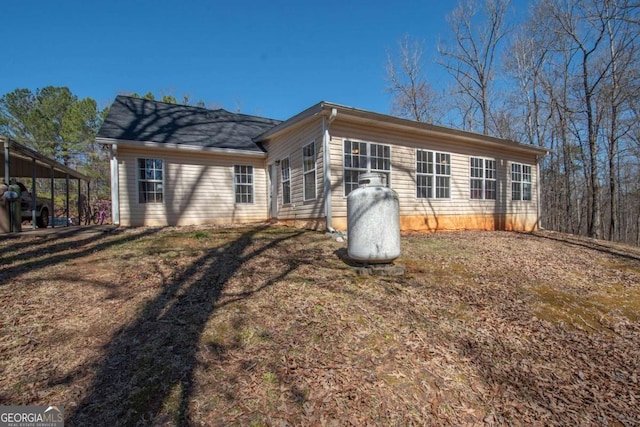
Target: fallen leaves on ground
267, 325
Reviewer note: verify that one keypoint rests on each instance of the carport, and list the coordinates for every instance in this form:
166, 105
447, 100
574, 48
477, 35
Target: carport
18, 161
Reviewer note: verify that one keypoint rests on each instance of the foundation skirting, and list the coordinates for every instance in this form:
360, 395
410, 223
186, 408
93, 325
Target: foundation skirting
513, 222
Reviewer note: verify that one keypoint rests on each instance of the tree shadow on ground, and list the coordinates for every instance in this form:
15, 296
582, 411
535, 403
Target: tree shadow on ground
47, 254
150, 362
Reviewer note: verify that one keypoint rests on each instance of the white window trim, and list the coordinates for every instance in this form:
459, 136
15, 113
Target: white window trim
282, 181
235, 185
433, 175
521, 182
305, 173
368, 168
484, 177
164, 163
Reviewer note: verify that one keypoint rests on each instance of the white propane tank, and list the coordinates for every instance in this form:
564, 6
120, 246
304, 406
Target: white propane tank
373, 221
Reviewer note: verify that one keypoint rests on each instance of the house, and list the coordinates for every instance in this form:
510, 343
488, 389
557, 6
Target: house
178, 165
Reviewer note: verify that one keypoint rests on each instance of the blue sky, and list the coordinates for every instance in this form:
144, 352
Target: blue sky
270, 58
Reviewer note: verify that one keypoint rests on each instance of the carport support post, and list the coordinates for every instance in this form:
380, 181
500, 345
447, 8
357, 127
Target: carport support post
79, 201
87, 201
67, 207
6, 161
33, 193
53, 178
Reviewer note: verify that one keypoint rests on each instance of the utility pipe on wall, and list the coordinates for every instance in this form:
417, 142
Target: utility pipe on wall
115, 185
326, 147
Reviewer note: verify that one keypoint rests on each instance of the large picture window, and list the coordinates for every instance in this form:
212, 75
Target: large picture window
482, 181
363, 157
150, 180
520, 182
243, 183
309, 171
433, 175
285, 169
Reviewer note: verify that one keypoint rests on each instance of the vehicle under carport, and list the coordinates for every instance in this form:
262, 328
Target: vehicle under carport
19, 162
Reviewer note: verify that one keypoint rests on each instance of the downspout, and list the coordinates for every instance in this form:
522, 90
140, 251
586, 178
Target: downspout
326, 143
115, 186
538, 191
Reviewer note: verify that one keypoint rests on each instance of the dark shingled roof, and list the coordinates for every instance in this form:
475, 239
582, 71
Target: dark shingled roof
137, 119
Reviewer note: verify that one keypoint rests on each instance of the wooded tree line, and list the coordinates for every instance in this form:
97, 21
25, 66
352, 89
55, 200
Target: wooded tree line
566, 78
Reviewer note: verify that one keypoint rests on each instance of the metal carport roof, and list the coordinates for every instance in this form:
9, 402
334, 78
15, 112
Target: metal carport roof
19, 161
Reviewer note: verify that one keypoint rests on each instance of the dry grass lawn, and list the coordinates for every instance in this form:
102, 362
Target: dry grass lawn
263, 326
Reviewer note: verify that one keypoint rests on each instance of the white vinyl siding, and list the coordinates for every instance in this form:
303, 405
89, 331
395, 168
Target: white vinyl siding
433, 175
403, 176
291, 144
150, 181
482, 182
198, 188
309, 171
361, 157
243, 179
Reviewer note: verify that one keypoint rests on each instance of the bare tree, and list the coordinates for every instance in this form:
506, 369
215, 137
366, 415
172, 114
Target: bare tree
412, 95
478, 30
576, 64
620, 90
574, 69
602, 36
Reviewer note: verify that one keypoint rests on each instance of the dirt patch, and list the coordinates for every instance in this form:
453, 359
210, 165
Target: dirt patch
269, 326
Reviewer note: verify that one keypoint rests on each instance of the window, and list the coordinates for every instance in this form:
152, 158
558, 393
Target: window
150, 174
309, 170
520, 182
433, 175
363, 157
243, 183
286, 181
483, 178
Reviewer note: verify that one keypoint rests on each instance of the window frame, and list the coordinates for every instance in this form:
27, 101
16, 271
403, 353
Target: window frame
518, 181
140, 181
307, 172
430, 175
285, 179
364, 161
484, 191
240, 170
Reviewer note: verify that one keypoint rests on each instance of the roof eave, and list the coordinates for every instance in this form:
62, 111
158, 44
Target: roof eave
386, 121
180, 147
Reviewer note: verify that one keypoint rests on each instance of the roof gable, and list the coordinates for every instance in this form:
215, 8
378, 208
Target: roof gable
135, 119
